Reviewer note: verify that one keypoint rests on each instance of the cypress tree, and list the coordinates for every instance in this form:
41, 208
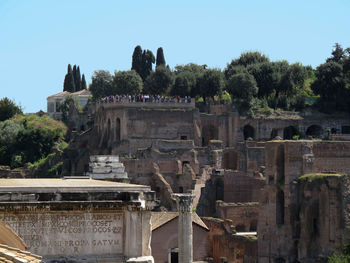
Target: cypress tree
137, 60
147, 61
160, 61
83, 82
77, 79
69, 84
74, 74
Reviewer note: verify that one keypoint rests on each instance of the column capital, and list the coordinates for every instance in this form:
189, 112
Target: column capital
184, 202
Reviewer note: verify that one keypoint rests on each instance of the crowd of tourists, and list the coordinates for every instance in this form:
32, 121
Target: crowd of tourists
146, 98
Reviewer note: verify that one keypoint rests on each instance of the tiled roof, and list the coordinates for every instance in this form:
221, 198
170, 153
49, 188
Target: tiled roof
10, 238
66, 93
14, 255
160, 218
61, 94
82, 92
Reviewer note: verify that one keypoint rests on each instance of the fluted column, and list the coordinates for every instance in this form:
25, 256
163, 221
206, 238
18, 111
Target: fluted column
184, 206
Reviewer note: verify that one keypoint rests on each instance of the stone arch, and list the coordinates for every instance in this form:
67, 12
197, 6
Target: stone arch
117, 130
280, 207
289, 132
248, 132
314, 131
209, 132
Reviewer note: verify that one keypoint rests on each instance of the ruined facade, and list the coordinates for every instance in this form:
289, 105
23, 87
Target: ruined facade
304, 212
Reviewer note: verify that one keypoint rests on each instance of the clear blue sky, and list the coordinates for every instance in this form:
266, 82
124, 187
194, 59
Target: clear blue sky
39, 38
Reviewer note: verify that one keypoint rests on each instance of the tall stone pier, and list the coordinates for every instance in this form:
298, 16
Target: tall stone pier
184, 206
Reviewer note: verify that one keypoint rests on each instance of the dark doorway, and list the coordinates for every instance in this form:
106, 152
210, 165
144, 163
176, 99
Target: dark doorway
345, 129
289, 132
174, 255
274, 134
209, 132
248, 132
183, 137
253, 226
314, 131
240, 228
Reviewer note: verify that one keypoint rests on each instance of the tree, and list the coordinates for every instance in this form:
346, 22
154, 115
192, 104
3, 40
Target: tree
248, 58
101, 84
184, 83
242, 86
127, 82
147, 61
160, 61
159, 81
330, 85
243, 89
8, 109
77, 79
338, 54
210, 83
186, 77
69, 84
137, 60
83, 82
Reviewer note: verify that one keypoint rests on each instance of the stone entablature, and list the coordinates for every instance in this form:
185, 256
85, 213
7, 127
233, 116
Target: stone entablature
79, 219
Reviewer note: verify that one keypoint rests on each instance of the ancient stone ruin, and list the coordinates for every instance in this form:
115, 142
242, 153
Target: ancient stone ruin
107, 167
264, 194
79, 220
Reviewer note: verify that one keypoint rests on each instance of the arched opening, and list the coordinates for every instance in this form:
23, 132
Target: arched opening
334, 130
82, 128
280, 207
181, 189
174, 255
274, 133
117, 136
209, 132
240, 228
248, 132
253, 226
314, 131
289, 132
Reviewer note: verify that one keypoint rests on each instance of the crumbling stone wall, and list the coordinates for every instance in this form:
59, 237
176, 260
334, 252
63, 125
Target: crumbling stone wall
224, 243
244, 216
239, 187
304, 220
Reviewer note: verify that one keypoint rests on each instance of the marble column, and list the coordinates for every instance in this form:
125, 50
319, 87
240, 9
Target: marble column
184, 207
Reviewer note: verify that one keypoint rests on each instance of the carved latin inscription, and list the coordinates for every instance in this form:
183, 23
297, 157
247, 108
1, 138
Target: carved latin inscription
69, 234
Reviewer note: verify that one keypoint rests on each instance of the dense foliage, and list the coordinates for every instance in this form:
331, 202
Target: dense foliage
8, 109
28, 138
250, 81
333, 81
